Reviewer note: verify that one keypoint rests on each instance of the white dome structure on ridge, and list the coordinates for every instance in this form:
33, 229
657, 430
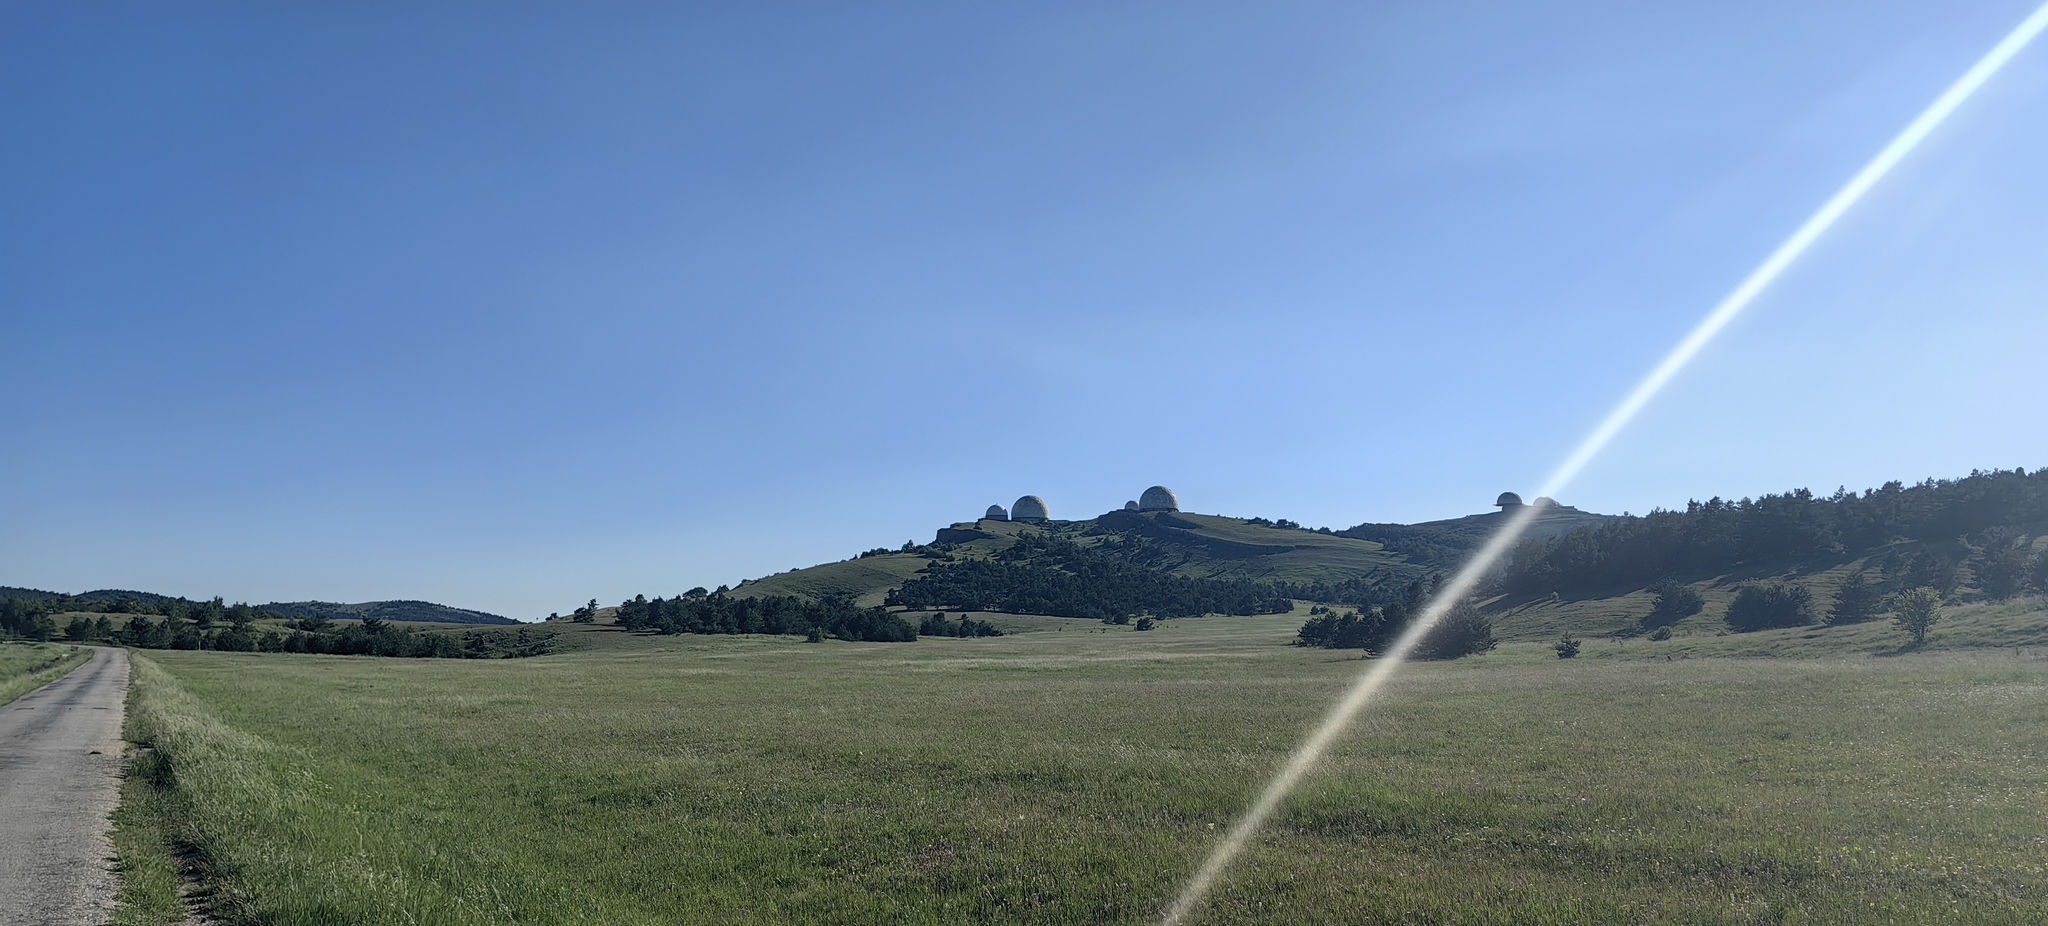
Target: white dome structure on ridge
1508, 500
1030, 508
1158, 498
1130, 506
996, 513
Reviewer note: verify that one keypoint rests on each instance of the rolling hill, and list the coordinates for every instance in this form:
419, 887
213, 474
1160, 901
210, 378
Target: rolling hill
1362, 564
1978, 540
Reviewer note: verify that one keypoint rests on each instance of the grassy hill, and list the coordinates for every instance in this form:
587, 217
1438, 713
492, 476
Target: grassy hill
420, 611
1195, 546
1445, 543
864, 579
1576, 572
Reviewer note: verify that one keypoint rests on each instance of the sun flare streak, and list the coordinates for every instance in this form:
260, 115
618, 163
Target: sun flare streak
1380, 670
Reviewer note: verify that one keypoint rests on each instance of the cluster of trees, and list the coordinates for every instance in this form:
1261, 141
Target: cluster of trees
1773, 604
1042, 574
1371, 630
936, 625
1464, 631
697, 611
233, 628
1765, 605
1988, 509
24, 619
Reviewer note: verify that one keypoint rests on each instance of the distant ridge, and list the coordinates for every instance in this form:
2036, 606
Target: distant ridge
423, 611
418, 611
99, 594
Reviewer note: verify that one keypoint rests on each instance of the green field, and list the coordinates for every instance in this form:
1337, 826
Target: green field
24, 667
1074, 774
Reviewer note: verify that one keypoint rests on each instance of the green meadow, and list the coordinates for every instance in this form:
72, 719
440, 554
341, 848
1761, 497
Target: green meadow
1071, 773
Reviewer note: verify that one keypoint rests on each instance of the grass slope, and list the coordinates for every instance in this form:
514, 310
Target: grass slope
1076, 775
25, 667
865, 579
1211, 546
1969, 621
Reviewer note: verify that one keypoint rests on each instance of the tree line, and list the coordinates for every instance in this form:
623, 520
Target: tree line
938, 625
1975, 521
1042, 574
697, 611
216, 625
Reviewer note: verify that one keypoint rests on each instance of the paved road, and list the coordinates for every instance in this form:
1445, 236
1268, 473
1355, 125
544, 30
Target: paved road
60, 777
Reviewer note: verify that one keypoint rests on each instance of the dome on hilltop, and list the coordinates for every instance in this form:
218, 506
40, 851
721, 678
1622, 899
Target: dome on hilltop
996, 513
1158, 498
1130, 506
1547, 502
1029, 508
1508, 500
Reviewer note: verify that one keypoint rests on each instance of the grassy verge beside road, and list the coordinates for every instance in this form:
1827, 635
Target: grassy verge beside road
1076, 777
25, 667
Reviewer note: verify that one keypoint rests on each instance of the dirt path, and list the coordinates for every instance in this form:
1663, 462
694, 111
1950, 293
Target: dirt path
60, 769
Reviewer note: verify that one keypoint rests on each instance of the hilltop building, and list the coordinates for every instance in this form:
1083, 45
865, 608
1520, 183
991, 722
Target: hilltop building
1158, 498
1509, 501
1030, 509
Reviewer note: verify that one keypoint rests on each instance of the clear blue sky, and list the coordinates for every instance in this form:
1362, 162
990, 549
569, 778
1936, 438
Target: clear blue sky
512, 306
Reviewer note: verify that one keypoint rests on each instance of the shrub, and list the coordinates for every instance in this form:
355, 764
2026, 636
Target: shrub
1567, 647
1916, 610
1675, 602
1463, 632
1764, 605
1661, 634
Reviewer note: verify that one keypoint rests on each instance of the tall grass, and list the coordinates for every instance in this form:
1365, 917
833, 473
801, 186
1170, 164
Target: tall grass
1075, 778
25, 667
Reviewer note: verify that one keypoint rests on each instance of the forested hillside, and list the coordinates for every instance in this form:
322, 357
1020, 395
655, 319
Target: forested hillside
1976, 532
1042, 574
